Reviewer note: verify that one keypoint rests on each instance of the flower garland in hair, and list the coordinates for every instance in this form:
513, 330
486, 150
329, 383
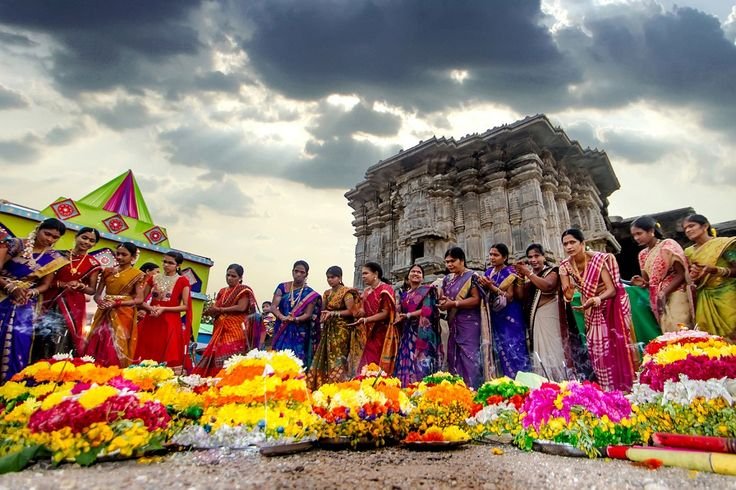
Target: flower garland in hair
31, 241
137, 256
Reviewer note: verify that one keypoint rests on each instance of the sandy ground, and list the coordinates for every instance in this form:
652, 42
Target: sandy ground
395, 468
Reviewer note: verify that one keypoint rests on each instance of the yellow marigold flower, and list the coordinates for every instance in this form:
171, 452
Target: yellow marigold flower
96, 396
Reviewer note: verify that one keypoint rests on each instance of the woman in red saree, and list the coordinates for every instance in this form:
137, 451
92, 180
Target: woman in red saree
65, 303
113, 336
608, 327
234, 308
162, 336
376, 339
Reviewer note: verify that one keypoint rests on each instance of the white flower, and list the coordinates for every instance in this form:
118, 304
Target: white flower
61, 357
233, 360
88, 359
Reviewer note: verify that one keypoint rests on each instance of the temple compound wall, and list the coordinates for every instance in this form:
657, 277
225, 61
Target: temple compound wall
517, 184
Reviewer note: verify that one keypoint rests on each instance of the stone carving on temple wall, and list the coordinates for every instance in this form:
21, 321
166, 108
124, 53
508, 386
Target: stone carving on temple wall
516, 184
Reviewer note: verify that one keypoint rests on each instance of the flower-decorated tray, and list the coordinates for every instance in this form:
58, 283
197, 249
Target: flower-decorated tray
558, 449
285, 449
342, 442
434, 445
495, 439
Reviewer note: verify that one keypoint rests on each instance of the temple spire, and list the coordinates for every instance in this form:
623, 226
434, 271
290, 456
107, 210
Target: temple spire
122, 196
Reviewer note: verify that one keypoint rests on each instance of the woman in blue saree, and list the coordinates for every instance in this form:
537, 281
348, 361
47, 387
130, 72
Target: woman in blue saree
27, 267
297, 315
507, 315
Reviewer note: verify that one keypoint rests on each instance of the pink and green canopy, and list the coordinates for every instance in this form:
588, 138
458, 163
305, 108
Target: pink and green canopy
122, 196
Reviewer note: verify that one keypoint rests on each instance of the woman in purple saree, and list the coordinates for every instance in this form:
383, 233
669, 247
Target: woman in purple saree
297, 312
420, 345
468, 347
27, 267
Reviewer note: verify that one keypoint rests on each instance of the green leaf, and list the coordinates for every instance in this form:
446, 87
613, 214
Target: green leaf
89, 457
20, 459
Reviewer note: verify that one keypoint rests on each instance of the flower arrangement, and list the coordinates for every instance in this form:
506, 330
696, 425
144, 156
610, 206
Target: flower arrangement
687, 386
502, 399
148, 374
85, 423
442, 400
368, 410
579, 414
261, 397
696, 355
65, 368
452, 433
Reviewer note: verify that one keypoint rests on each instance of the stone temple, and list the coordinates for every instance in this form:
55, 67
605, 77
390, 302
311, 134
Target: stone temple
519, 183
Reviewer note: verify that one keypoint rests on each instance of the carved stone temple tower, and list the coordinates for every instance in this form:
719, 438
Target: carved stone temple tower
517, 184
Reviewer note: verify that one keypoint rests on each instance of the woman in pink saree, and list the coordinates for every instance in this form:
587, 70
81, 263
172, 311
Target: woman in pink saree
663, 272
608, 327
376, 340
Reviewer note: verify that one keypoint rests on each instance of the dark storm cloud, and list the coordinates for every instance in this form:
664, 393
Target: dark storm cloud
123, 115
223, 151
24, 150
103, 45
224, 197
680, 57
404, 51
13, 39
10, 99
334, 158
217, 81
64, 135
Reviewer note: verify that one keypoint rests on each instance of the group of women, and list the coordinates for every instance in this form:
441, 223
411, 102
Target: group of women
510, 318
43, 303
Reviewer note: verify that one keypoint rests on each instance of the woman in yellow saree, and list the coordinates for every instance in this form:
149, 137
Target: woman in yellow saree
113, 336
713, 270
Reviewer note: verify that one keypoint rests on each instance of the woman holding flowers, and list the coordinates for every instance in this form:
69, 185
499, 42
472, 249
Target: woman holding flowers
27, 269
663, 272
375, 339
608, 327
558, 352
330, 364
469, 344
507, 317
713, 270
420, 346
162, 336
66, 300
112, 340
297, 315
234, 307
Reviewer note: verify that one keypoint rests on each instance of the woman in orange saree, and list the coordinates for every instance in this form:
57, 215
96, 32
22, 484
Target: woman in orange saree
608, 326
234, 308
376, 339
162, 336
113, 336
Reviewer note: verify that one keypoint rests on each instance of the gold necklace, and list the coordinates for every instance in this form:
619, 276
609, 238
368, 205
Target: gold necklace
71, 262
292, 301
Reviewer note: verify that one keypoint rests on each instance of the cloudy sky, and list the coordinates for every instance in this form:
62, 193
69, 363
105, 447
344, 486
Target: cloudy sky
245, 122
